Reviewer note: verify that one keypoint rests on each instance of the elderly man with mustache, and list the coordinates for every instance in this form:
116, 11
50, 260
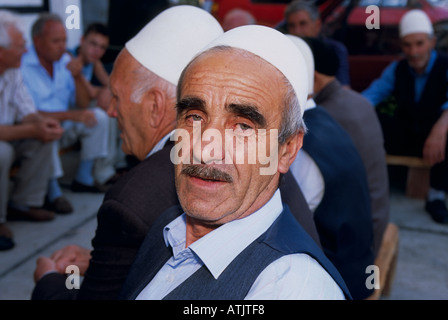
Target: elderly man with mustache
143, 84
420, 124
235, 238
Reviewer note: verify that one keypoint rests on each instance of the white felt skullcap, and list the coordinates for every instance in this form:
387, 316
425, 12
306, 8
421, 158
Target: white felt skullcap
273, 47
309, 59
169, 41
415, 21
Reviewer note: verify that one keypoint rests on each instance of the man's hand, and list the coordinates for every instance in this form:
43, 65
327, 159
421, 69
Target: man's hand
61, 259
85, 116
44, 265
435, 144
72, 255
75, 66
47, 129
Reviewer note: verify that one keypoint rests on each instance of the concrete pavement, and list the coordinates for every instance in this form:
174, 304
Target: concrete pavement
422, 268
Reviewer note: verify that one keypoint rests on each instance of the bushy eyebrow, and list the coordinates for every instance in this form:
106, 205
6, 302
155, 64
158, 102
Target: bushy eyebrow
249, 112
189, 103
246, 111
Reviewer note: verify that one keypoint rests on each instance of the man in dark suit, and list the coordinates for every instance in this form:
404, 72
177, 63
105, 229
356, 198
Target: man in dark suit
357, 116
234, 238
132, 204
335, 184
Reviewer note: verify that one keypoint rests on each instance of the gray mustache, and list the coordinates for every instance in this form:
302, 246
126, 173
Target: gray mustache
206, 173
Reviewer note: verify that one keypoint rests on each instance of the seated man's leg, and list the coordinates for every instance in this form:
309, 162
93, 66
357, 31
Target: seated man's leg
104, 168
55, 200
94, 142
31, 181
6, 160
438, 183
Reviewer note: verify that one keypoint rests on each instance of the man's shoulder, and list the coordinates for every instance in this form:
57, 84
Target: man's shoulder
155, 173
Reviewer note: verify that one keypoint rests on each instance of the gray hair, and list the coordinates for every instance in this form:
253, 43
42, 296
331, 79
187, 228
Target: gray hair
146, 80
303, 5
8, 20
38, 26
292, 120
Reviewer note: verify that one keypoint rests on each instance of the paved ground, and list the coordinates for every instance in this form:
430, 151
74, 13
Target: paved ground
422, 269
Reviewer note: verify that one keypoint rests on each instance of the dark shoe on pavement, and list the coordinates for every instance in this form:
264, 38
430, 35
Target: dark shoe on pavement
32, 214
438, 211
6, 242
96, 188
61, 206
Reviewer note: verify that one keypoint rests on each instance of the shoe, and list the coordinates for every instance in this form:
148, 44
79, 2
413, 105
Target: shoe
6, 242
96, 188
438, 211
32, 214
61, 206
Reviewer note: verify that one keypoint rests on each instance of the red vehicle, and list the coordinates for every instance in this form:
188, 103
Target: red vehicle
266, 12
370, 51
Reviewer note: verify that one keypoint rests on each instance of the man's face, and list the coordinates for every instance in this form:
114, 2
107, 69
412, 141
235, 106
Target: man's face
51, 44
222, 91
417, 49
11, 56
132, 116
94, 46
300, 24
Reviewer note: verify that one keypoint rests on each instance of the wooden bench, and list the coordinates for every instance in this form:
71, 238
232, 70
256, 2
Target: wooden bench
417, 182
386, 261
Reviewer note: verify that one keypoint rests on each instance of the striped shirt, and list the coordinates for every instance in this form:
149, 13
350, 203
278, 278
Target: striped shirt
15, 100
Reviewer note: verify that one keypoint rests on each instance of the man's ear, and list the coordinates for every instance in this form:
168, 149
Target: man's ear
154, 102
288, 151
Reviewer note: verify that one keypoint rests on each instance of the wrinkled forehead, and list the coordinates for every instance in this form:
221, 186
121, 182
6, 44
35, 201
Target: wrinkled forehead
223, 60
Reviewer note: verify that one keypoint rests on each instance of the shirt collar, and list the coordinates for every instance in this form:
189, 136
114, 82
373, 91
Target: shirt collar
310, 104
220, 247
31, 58
159, 146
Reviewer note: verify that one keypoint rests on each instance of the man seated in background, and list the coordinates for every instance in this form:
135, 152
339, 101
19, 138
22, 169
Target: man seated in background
25, 136
59, 90
419, 126
94, 44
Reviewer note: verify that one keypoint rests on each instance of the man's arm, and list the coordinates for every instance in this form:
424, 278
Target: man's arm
382, 87
435, 144
85, 116
82, 94
32, 127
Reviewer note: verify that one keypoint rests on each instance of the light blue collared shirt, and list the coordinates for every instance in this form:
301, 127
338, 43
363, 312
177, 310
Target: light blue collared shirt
383, 87
159, 146
50, 94
295, 276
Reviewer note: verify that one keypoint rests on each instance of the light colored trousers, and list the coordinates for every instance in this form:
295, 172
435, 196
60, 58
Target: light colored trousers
94, 140
31, 182
105, 168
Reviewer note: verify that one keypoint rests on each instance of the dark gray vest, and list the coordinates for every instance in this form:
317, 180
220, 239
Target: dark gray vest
285, 236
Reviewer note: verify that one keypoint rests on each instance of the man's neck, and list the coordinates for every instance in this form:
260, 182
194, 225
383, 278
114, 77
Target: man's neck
48, 65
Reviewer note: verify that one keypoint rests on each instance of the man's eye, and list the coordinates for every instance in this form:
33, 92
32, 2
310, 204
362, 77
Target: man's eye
243, 126
243, 129
194, 117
